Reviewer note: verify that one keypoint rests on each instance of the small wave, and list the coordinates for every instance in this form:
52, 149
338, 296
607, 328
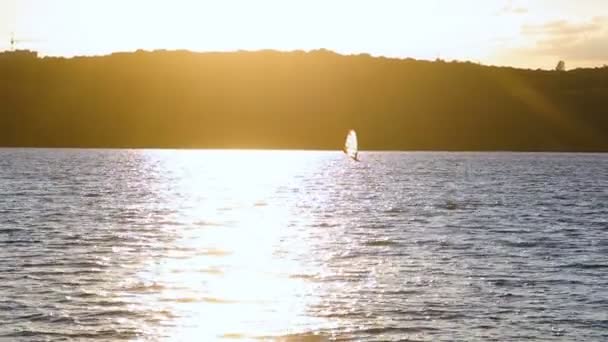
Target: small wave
19, 194
396, 292
324, 225
21, 241
484, 327
32, 317
36, 265
394, 210
107, 334
449, 205
586, 266
169, 223
346, 314
297, 338
85, 295
144, 287
109, 303
86, 264
310, 277
425, 242
380, 243
215, 300
345, 255
214, 252
504, 282
233, 336
210, 300
205, 223
394, 330
162, 314
441, 314
92, 195
376, 226
55, 319
67, 273
111, 313
520, 244
215, 271
417, 220
509, 295
9, 230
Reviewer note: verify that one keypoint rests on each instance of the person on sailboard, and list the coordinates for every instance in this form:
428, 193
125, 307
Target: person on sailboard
350, 147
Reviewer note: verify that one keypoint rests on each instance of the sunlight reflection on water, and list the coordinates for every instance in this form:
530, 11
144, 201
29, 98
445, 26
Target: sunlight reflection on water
228, 273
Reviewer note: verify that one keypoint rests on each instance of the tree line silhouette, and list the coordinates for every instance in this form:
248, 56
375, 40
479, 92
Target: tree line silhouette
300, 100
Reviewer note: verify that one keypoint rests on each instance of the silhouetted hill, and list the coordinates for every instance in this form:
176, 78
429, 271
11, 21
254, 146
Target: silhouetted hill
270, 99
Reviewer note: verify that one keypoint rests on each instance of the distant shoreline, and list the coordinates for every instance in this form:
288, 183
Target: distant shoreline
297, 100
36, 54
362, 152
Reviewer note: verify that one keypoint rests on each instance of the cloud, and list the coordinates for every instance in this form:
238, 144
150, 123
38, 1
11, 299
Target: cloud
576, 41
587, 49
564, 27
510, 9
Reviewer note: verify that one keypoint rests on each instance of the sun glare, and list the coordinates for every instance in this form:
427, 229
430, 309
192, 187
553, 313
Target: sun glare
393, 28
224, 275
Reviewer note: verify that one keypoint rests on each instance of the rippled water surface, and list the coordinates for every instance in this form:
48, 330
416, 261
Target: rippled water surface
204, 245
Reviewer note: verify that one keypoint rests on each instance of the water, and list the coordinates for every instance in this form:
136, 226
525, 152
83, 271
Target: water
204, 245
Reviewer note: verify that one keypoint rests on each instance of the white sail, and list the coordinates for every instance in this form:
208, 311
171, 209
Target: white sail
351, 147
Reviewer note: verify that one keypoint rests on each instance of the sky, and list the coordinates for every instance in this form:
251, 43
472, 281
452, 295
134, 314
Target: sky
528, 34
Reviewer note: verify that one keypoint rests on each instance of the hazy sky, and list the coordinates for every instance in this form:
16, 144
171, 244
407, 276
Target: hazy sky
533, 33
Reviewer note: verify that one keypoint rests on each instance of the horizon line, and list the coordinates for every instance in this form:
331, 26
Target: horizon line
337, 150
353, 54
